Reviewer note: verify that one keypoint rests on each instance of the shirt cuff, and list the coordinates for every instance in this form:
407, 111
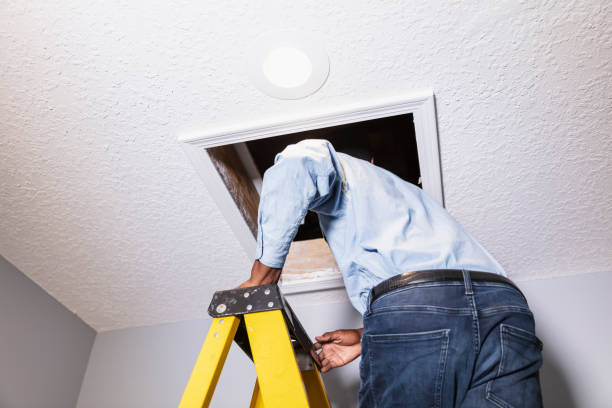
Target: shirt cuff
272, 261
274, 255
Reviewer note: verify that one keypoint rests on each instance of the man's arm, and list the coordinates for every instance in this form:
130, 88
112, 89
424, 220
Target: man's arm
305, 176
261, 275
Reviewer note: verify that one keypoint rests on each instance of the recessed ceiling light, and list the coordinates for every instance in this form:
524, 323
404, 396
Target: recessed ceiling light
287, 65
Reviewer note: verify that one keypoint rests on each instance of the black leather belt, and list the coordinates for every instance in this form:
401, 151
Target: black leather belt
436, 275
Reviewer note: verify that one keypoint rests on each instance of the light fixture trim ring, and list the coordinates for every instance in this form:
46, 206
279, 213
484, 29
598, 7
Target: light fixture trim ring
311, 46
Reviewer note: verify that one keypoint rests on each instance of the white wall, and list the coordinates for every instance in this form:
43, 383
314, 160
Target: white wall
149, 366
44, 348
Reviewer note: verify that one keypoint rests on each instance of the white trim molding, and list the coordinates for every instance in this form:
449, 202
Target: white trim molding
311, 285
420, 104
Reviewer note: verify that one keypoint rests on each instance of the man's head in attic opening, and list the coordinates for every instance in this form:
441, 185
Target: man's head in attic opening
359, 152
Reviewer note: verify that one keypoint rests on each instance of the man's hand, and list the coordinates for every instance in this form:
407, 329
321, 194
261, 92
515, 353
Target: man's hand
261, 275
347, 337
338, 348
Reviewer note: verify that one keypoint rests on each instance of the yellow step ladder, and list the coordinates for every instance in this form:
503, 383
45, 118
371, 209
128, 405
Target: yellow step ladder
262, 323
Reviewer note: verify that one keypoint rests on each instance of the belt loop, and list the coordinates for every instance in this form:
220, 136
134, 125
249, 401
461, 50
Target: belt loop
468, 282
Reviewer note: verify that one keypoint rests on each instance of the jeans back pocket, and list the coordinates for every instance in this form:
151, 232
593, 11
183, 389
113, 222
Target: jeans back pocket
407, 369
517, 383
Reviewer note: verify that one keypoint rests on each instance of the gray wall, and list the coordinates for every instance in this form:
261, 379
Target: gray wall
573, 319
150, 366
44, 348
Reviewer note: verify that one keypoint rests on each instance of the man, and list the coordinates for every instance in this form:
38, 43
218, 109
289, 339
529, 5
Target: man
443, 326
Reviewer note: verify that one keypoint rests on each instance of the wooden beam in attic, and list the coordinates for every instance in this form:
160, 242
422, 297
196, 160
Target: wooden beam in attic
310, 258
234, 175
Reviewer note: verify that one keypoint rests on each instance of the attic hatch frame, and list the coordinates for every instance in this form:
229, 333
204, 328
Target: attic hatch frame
420, 104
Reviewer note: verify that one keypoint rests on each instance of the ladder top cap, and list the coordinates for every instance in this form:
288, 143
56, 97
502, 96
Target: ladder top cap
235, 302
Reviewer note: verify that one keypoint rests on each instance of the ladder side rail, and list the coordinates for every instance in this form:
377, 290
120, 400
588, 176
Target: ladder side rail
278, 375
256, 399
209, 364
315, 389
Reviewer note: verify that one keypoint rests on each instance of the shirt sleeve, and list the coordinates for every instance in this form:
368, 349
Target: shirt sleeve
305, 176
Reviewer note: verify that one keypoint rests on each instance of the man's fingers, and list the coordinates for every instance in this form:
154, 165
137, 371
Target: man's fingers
317, 346
323, 338
328, 361
325, 363
315, 356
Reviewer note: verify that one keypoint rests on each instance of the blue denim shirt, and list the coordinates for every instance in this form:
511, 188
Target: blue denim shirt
376, 224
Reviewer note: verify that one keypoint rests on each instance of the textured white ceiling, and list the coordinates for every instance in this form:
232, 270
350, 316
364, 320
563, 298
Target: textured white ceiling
101, 207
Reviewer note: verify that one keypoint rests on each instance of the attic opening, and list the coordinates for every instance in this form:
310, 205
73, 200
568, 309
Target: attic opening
389, 142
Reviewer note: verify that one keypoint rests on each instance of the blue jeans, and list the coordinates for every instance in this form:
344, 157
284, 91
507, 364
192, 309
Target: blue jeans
450, 344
